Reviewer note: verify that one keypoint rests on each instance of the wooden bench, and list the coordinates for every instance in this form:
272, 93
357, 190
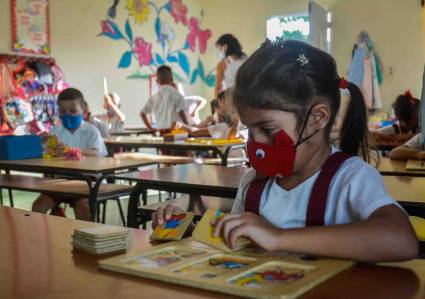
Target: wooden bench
69, 188
198, 206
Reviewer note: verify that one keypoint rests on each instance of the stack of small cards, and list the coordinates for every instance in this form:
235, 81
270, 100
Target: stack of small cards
100, 239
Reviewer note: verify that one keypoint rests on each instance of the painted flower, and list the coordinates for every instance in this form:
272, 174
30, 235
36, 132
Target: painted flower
143, 51
167, 34
197, 34
110, 29
138, 9
178, 10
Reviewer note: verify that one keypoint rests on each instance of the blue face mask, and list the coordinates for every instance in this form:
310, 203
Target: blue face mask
71, 122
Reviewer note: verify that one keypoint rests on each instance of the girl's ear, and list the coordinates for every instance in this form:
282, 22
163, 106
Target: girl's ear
320, 116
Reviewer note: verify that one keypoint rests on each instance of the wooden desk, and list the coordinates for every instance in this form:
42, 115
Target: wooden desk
93, 170
134, 131
404, 188
193, 179
135, 143
389, 167
37, 261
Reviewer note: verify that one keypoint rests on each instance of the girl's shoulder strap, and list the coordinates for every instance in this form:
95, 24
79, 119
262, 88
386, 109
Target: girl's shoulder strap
253, 195
319, 194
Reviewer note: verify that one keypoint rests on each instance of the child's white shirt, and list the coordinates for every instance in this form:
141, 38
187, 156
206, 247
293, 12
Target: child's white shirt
355, 192
165, 105
85, 137
415, 142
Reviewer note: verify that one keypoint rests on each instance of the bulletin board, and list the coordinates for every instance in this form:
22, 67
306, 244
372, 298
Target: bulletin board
30, 26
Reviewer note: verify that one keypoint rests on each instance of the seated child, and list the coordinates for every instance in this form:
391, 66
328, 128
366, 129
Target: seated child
305, 195
406, 110
194, 104
412, 149
87, 115
114, 118
224, 123
167, 105
73, 132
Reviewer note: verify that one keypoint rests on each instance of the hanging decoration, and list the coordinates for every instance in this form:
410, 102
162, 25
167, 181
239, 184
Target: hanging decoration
148, 55
30, 26
366, 71
28, 93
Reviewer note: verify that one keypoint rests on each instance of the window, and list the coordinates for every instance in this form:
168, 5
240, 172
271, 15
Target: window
288, 27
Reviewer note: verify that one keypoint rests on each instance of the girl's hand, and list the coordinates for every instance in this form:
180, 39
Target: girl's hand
163, 214
249, 225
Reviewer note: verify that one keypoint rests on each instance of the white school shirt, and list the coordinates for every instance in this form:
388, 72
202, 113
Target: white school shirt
165, 105
415, 143
112, 124
85, 137
355, 192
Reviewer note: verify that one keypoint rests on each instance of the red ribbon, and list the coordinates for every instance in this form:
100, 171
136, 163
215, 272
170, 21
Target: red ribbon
408, 94
343, 84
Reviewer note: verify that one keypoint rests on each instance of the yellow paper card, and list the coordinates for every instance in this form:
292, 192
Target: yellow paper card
204, 232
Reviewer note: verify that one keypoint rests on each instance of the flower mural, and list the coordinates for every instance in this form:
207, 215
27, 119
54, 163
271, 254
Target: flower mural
149, 55
197, 34
139, 9
143, 51
178, 10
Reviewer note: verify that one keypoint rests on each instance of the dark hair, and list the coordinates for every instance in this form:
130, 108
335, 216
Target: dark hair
164, 75
221, 95
233, 45
288, 76
214, 105
404, 108
71, 94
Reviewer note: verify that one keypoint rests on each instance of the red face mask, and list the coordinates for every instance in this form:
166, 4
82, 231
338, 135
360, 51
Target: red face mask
273, 160
277, 159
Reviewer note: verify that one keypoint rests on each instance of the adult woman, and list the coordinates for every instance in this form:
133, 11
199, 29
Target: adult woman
232, 57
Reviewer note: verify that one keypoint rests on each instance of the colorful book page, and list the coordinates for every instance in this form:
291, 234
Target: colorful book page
215, 266
161, 258
174, 228
204, 232
271, 275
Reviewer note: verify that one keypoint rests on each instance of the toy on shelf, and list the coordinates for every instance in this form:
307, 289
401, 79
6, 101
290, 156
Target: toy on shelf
73, 153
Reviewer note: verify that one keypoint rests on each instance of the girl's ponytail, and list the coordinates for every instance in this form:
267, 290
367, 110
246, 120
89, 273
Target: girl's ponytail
354, 131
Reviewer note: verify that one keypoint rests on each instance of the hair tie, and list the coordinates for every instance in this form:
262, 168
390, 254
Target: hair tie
343, 84
408, 94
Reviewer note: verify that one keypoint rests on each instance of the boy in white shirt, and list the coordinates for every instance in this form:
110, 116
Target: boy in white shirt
167, 105
73, 132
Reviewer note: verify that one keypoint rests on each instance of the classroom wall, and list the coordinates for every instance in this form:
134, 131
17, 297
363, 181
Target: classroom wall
397, 28
86, 57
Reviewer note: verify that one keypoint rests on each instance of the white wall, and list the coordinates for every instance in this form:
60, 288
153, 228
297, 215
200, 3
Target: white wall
396, 27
